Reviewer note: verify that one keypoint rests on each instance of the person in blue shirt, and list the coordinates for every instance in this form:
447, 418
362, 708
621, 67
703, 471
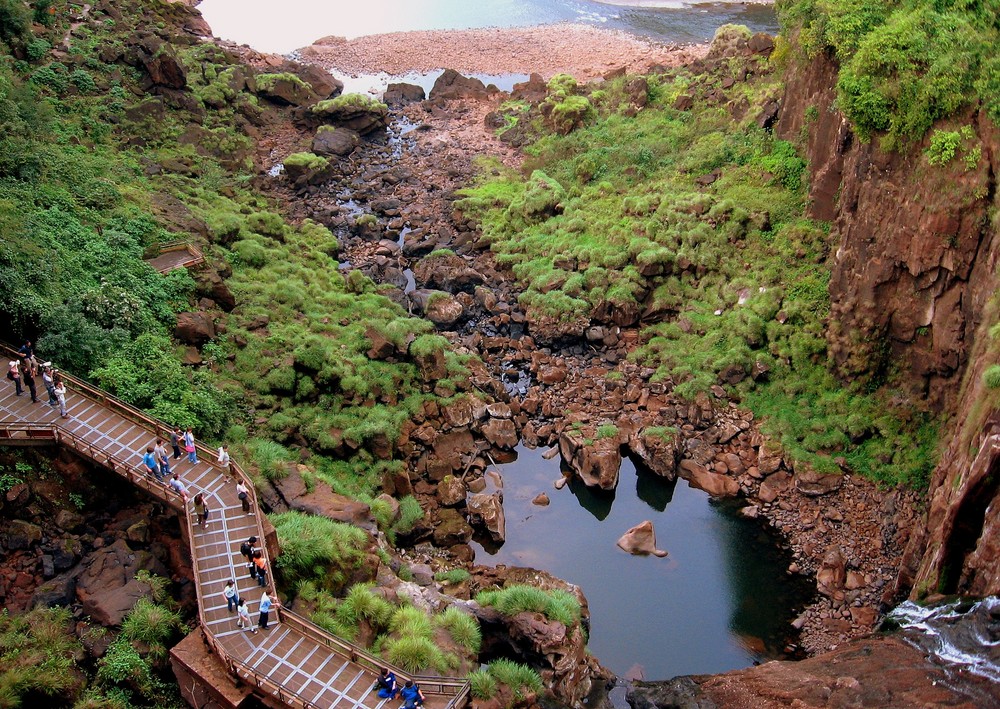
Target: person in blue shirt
265, 608
411, 695
151, 464
386, 684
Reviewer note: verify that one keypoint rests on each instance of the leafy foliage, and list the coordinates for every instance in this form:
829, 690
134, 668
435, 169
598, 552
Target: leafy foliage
317, 548
557, 605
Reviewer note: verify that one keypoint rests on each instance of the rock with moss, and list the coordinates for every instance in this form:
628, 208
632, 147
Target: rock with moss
356, 112
439, 307
285, 89
330, 140
306, 168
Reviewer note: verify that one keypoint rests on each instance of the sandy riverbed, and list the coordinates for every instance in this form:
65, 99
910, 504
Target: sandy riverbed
583, 51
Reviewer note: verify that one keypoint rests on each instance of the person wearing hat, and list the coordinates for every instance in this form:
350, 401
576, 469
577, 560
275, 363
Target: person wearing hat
14, 374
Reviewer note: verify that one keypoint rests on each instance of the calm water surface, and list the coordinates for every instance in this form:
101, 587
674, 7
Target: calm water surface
282, 27
719, 601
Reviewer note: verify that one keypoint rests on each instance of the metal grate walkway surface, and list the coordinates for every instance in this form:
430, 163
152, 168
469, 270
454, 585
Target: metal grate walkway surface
292, 660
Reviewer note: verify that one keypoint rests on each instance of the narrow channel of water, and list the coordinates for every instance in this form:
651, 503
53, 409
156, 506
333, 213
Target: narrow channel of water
721, 599
293, 24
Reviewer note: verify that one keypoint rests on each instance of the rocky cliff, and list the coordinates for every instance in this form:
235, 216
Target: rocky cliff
912, 284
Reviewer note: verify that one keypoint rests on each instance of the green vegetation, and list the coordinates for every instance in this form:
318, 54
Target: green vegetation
560, 606
306, 161
614, 222
154, 625
452, 576
38, 648
463, 628
903, 65
352, 101
520, 679
317, 549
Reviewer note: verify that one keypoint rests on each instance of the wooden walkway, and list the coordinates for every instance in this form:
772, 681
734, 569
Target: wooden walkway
293, 660
176, 254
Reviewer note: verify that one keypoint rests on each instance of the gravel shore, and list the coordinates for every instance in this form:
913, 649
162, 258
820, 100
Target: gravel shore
583, 51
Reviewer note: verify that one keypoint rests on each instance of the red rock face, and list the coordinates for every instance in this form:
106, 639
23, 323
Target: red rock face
914, 267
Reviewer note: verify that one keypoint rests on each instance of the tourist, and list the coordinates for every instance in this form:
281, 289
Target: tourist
243, 493
27, 350
386, 684
411, 695
179, 487
28, 377
60, 390
189, 446
14, 374
265, 608
260, 567
243, 616
223, 460
201, 510
48, 383
176, 436
151, 465
247, 549
160, 451
232, 597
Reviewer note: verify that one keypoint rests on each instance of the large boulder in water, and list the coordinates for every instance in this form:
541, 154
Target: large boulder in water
659, 449
486, 511
596, 463
452, 85
640, 540
398, 94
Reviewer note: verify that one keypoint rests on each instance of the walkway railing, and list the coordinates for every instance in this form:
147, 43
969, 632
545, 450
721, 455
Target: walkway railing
11, 432
193, 256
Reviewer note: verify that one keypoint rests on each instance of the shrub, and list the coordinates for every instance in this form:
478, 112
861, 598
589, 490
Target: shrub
410, 513
452, 576
152, 624
362, 603
557, 605
38, 649
317, 548
482, 684
608, 430
463, 628
14, 20
415, 654
991, 377
521, 679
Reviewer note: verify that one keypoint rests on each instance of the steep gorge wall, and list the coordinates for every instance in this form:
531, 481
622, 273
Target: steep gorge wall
913, 276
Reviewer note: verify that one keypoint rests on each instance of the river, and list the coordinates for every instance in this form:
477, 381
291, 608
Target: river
281, 28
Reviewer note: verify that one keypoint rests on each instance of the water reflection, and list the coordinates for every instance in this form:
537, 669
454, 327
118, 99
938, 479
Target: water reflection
719, 601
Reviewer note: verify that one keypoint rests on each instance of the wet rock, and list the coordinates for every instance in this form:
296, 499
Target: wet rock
451, 528
106, 586
397, 94
596, 464
541, 500
773, 485
714, 484
640, 540
330, 140
486, 511
659, 450
437, 306
355, 112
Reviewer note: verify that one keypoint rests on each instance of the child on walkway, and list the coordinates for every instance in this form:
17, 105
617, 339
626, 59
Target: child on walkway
243, 616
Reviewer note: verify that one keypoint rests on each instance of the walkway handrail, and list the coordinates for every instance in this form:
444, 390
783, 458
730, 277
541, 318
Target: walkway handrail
458, 689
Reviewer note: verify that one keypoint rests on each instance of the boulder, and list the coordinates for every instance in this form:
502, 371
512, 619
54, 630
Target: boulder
324, 502
773, 485
541, 500
285, 89
307, 169
596, 464
106, 585
714, 484
501, 433
161, 63
437, 306
19, 535
397, 94
451, 491
451, 528
811, 483
431, 365
452, 85
640, 540
60, 591
392, 503
658, 450
486, 511
355, 112
330, 140
832, 574
194, 327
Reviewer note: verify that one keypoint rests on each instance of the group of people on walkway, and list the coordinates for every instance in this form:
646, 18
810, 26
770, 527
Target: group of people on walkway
24, 372
235, 602
387, 687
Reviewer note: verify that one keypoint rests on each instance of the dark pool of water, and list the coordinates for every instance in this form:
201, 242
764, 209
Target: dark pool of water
291, 24
719, 601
